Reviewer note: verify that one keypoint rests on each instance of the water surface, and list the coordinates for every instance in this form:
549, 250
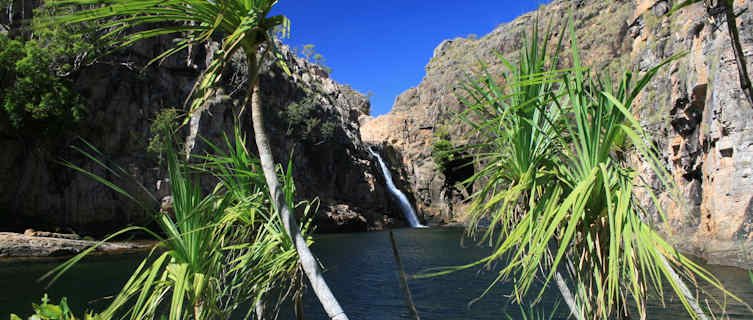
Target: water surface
361, 270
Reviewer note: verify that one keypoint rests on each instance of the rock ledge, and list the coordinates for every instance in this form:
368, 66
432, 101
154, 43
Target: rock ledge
20, 245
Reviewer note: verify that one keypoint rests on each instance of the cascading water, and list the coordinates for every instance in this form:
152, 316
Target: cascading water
408, 211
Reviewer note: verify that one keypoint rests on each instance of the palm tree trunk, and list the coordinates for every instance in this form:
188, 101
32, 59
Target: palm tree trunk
259, 309
742, 67
699, 313
308, 262
299, 308
193, 131
197, 308
684, 290
403, 279
567, 296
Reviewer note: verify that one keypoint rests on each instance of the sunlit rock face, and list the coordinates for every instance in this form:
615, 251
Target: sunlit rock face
429, 110
694, 108
333, 164
703, 124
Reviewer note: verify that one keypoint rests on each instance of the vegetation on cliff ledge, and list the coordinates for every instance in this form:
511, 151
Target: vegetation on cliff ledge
37, 93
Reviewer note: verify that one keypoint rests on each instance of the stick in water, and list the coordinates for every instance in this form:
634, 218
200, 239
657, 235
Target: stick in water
403, 279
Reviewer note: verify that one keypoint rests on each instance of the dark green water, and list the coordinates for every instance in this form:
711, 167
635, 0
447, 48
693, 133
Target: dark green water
361, 270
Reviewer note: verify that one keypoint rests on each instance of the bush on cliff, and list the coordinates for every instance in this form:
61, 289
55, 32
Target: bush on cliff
36, 75
442, 153
35, 99
307, 123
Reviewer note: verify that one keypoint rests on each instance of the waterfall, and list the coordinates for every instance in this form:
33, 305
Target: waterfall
405, 206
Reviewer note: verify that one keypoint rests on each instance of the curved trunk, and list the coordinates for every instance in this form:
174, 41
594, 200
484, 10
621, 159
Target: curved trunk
308, 262
567, 296
699, 313
259, 307
742, 67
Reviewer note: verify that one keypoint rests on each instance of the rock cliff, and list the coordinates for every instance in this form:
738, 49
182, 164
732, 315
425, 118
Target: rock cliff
694, 107
309, 116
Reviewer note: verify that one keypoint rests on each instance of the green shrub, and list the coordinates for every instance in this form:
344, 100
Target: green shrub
164, 122
69, 47
49, 311
35, 76
442, 153
34, 97
304, 122
328, 129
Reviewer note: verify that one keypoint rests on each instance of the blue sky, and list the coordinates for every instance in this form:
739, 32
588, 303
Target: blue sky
383, 46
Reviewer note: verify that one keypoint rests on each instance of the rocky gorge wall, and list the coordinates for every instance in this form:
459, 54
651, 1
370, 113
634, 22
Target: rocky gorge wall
704, 125
330, 161
694, 108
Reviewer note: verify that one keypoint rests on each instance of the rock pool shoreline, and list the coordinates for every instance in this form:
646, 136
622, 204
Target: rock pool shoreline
18, 245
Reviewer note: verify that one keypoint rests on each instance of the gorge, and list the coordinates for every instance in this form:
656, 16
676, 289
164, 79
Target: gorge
557, 174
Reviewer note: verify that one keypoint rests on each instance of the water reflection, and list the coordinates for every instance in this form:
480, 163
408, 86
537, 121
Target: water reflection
361, 270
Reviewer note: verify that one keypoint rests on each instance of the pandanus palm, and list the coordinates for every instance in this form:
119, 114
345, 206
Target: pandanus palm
557, 194
245, 26
222, 251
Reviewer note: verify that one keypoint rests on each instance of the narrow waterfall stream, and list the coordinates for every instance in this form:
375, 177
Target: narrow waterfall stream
405, 206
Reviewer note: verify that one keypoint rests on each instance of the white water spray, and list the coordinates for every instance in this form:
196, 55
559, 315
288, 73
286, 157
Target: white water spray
405, 206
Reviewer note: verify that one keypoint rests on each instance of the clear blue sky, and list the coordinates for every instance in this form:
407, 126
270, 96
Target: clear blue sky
383, 46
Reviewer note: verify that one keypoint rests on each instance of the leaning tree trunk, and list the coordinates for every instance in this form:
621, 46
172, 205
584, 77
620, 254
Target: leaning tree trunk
742, 67
567, 296
308, 262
